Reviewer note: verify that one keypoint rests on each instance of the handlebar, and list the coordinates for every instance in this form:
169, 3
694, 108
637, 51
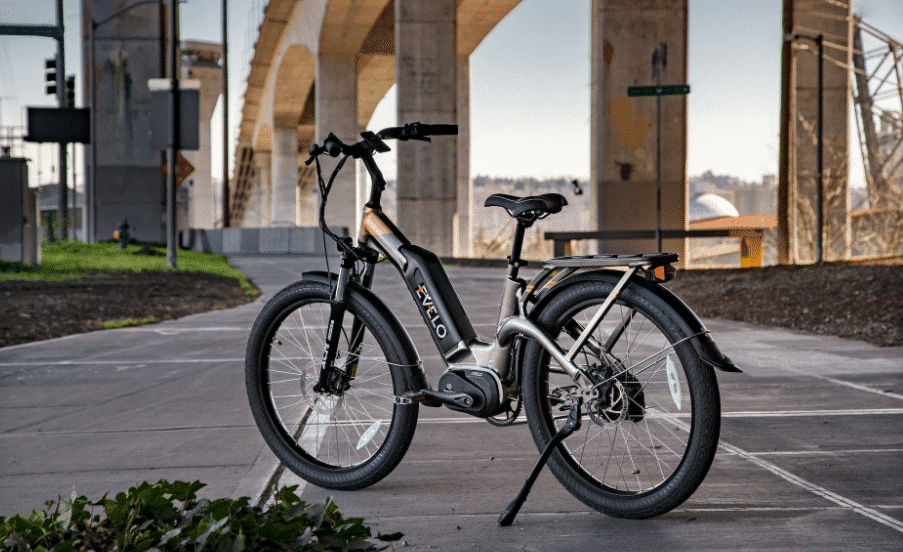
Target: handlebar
374, 142
418, 131
364, 150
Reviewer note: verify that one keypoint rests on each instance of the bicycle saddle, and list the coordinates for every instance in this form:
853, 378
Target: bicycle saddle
541, 205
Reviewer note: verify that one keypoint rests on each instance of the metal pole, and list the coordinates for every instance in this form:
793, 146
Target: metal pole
92, 175
820, 195
786, 192
173, 149
658, 172
225, 115
63, 203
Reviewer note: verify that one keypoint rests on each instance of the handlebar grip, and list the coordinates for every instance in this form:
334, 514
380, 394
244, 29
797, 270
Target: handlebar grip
439, 130
332, 145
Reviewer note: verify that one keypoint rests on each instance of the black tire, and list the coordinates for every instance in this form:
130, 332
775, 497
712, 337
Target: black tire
635, 458
342, 442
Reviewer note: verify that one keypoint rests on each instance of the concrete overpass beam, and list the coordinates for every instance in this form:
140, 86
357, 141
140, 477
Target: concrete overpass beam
425, 57
284, 167
625, 35
336, 112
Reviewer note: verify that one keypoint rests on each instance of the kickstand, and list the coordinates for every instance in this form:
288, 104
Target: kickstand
571, 425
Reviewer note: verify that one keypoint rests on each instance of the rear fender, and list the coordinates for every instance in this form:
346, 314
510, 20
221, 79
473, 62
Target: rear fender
414, 379
703, 343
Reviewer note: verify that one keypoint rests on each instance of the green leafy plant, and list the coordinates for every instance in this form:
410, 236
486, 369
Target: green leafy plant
169, 517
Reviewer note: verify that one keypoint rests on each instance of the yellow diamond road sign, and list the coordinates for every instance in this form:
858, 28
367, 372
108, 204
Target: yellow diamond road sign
183, 168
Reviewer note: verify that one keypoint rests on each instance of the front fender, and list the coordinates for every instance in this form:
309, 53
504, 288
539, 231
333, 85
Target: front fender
703, 343
414, 378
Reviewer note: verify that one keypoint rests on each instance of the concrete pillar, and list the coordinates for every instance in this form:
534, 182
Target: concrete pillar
425, 58
251, 217
464, 215
625, 35
129, 183
202, 63
336, 112
284, 167
306, 211
811, 18
306, 206
259, 205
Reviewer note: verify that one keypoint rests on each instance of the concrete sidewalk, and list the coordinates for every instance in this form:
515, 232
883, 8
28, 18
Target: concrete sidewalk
811, 456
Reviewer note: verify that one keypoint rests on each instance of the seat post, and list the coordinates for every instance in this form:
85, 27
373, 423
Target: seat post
514, 260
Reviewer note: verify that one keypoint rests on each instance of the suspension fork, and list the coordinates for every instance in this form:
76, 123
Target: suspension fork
338, 305
357, 330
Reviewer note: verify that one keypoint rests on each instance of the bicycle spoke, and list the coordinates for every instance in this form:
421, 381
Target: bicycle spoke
634, 447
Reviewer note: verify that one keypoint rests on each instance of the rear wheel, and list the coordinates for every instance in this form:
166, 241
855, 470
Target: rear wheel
344, 440
651, 428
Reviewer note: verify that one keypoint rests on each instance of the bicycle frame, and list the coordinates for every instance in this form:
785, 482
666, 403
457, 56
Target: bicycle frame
449, 325
451, 328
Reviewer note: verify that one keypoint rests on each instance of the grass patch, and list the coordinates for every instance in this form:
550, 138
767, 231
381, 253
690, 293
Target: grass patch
128, 322
74, 260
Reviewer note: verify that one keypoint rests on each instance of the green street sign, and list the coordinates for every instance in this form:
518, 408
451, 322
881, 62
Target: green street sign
660, 90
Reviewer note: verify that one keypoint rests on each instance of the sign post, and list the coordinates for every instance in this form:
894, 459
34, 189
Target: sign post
658, 91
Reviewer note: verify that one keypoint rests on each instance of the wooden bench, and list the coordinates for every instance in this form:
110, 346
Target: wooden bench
749, 229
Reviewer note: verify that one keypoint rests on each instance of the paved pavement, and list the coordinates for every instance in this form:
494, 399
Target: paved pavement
811, 453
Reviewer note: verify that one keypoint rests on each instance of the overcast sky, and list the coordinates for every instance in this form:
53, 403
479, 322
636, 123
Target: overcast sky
530, 82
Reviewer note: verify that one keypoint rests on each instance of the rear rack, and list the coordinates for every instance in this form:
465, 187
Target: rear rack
632, 260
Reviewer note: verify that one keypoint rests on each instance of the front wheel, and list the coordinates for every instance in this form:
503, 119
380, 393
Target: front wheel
651, 428
343, 440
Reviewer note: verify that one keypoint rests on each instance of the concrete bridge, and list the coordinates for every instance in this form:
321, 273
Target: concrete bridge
322, 66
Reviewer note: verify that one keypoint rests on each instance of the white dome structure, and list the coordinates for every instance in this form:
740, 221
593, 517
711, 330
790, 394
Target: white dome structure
710, 206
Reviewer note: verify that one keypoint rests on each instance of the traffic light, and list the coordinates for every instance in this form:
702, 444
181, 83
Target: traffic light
50, 75
70, 91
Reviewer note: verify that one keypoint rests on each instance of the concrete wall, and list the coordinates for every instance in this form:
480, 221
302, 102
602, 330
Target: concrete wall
260, 241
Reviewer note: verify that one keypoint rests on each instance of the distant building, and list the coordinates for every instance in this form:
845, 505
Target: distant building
748, 198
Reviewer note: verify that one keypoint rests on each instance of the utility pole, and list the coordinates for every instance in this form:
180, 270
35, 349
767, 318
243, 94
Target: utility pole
225, 115
173, 149
63, 208
786, 181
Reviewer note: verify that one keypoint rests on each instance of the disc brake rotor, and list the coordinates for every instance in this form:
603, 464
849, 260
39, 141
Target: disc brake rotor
611, 408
